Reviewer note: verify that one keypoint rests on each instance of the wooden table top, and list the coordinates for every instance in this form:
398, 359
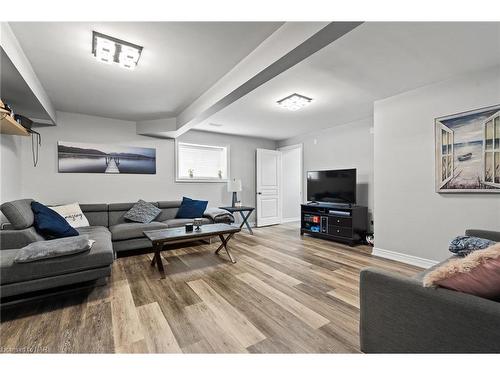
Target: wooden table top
175, 234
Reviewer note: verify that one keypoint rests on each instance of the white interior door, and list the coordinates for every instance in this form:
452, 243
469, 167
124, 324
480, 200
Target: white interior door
268, 187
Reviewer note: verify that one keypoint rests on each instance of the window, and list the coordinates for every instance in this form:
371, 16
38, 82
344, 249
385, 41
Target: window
491, 166
446, 154
202, 163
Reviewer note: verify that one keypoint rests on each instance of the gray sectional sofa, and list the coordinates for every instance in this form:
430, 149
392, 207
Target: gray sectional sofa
128, 236
399, 315
108, 227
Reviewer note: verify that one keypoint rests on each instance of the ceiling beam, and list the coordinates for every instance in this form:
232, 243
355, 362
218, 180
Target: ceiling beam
13, 50
154, 127
290, 44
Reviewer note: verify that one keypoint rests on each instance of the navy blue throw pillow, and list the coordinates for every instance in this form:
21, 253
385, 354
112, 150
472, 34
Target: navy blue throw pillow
464, 245
50, 224
191, 208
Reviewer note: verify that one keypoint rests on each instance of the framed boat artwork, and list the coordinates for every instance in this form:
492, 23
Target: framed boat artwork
468, 152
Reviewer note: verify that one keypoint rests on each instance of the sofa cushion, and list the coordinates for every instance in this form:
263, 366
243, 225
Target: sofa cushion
97, 214
477, 274
19, 213
168, 210
191, 208
127, 231
420, 276
464, 245
73, 214
100, 255
117, 211
93, 230
50, 224
53, 248
174, 223
142, 212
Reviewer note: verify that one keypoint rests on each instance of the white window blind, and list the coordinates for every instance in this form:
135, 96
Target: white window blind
201, 162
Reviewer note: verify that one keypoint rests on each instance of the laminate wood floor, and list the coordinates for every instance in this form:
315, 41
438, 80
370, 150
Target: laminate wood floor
286, 294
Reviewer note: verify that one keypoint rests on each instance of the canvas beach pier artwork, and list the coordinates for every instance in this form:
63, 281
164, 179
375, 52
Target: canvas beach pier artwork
468, 151
109, 159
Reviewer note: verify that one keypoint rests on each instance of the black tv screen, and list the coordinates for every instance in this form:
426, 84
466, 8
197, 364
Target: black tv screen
335, 186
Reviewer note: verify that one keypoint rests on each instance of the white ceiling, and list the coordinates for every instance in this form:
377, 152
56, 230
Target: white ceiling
180, 61
374, 61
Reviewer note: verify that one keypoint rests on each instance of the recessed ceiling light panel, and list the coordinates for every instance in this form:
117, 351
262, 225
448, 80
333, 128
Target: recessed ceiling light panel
107, 49
294, 102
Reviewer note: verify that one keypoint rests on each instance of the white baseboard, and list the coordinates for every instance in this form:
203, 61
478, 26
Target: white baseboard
404, 258
290, 219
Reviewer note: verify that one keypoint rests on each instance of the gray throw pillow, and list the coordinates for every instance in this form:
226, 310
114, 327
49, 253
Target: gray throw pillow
53, 248
142, 212
464, 245
19, 213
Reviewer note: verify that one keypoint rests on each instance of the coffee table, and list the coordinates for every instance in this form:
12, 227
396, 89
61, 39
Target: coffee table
162, 237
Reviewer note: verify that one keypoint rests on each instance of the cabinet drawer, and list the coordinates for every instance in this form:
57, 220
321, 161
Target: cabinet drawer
339, 221
340, 231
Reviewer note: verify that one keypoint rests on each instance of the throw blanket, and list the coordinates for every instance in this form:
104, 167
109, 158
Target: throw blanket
218, 215
53, 248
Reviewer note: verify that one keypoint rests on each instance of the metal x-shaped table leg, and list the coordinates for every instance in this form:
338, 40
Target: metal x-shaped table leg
245, 220
224, 245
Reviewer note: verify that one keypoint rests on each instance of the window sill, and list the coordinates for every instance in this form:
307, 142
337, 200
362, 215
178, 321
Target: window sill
182, 180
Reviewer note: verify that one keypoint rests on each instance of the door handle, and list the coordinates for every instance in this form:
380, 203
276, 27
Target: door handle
259, 193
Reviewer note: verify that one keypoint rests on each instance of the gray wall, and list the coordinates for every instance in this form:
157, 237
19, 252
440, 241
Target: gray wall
44, 183
10, 162
10, 167
345, 146
291, 187
410, 217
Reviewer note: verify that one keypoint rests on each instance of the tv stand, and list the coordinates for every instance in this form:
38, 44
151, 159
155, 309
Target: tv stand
323, 204
337, 222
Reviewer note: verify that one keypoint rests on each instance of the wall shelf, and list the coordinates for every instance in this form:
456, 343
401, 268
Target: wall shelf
9, 126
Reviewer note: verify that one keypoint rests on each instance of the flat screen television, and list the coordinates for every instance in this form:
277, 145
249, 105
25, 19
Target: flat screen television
335, 186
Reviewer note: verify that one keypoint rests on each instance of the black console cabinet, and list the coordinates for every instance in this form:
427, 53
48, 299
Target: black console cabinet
347, 224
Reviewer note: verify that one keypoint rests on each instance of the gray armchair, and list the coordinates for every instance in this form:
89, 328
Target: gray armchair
399, 315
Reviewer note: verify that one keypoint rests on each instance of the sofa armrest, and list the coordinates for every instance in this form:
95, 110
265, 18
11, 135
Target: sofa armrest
17, 238
399, 315
218, 215
488, 234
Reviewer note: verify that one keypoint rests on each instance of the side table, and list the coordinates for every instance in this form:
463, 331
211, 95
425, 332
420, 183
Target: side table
245, 212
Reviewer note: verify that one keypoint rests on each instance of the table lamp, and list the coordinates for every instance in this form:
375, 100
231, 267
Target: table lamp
233, 186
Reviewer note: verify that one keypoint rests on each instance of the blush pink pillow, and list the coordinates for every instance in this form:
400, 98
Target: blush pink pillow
478, 273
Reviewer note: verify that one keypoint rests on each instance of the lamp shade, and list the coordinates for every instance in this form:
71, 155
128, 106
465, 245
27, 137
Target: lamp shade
234, 185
